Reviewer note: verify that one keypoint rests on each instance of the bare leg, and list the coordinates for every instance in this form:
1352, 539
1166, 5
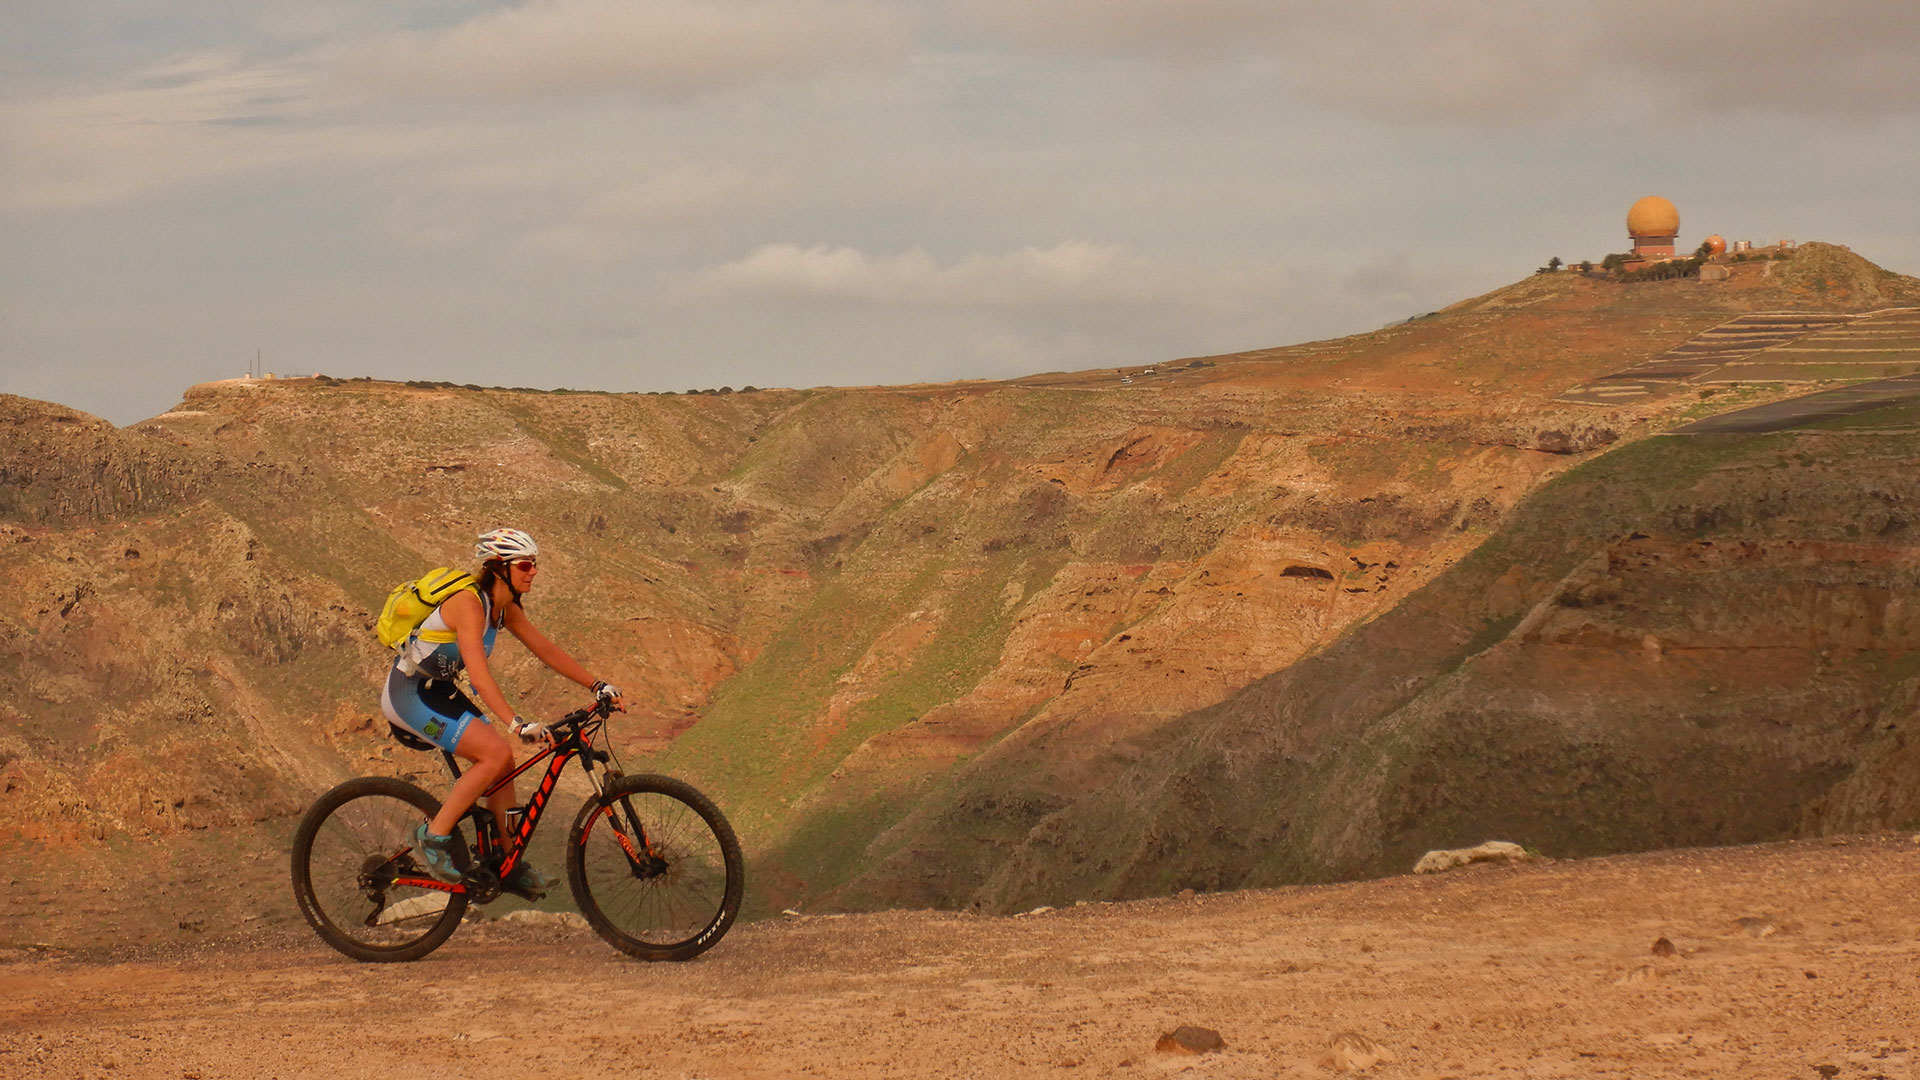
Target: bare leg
501, 801
492, 759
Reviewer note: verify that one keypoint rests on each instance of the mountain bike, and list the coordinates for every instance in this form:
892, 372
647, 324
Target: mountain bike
652, 863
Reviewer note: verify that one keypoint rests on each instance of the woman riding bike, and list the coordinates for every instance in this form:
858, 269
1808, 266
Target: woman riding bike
422, 697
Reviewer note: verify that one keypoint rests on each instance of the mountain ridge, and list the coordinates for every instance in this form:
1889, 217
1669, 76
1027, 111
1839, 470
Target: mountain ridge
899, 632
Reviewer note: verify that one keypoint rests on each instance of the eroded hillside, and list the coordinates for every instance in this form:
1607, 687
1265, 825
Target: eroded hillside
916, 640
1692, 640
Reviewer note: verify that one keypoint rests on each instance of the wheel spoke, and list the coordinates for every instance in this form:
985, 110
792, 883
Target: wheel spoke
685, 887
355, 841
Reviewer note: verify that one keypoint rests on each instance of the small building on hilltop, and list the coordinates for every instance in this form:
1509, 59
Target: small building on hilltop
1653, 223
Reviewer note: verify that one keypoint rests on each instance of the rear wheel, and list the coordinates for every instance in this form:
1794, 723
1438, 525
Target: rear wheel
655, 868
351, 847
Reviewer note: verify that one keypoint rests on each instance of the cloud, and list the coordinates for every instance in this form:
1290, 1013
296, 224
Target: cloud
1511, 61
840, 314
1069, 273
198, 115
1106, 291
669, 48
408, 102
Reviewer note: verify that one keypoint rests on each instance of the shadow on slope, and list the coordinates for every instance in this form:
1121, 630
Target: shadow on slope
1688, 641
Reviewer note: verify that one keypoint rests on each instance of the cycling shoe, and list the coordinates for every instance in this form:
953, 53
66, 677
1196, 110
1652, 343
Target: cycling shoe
437, 854
527, 882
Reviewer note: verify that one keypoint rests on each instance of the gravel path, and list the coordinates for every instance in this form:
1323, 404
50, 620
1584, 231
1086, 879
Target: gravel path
1786, 961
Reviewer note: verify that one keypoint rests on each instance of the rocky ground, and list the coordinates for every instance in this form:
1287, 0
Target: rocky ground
1789, 960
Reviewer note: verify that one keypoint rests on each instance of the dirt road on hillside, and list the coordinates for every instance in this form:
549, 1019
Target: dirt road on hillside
1796, 960
1810, 408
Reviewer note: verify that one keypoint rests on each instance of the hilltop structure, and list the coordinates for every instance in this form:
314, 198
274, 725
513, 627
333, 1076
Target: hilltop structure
1653, 223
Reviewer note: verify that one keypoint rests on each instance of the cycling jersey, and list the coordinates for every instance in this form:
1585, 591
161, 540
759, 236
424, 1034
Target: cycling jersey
428, 702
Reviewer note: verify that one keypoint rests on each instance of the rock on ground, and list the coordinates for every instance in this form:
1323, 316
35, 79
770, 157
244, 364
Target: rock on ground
1434, 862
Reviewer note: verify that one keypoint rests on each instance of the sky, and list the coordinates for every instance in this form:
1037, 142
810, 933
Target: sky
683, 194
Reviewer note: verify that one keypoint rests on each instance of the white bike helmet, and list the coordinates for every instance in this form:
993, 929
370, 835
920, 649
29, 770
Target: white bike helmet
505, 545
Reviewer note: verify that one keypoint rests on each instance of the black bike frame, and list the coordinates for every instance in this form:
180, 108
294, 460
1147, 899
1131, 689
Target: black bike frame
536, 802
574, 745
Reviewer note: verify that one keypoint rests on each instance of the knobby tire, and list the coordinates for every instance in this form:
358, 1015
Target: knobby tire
681, 896
359, 826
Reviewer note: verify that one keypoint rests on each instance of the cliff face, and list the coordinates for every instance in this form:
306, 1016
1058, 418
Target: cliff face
62, 467
1070, 635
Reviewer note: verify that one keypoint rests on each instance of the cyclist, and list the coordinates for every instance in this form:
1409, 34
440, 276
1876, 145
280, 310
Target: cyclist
421, 695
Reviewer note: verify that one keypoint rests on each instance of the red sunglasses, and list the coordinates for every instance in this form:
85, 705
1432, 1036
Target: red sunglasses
523, 564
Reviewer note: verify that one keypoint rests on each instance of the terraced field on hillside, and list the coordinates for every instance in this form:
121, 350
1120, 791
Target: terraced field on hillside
1877, 345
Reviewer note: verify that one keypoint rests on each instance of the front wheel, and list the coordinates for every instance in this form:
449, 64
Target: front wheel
655, 868
355, 876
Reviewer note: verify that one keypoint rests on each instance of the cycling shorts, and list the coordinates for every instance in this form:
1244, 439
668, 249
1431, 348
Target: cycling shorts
437, 710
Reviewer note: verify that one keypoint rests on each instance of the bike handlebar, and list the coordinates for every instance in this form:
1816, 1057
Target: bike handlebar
599, 710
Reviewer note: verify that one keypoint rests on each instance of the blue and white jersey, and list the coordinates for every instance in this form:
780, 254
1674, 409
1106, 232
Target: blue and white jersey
441, 660
421, 695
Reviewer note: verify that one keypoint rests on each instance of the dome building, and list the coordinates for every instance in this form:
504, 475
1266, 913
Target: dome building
1654, 224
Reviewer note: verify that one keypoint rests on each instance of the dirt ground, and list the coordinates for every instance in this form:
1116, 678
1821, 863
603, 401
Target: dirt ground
1792, 960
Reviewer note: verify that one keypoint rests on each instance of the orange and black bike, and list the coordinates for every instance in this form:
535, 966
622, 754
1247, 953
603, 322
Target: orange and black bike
652, 863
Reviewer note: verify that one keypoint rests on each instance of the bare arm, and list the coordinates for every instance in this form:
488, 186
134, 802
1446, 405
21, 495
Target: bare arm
543, 647
469, 622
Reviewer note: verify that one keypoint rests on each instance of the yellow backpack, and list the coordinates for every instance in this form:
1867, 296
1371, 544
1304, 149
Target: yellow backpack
410, 602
